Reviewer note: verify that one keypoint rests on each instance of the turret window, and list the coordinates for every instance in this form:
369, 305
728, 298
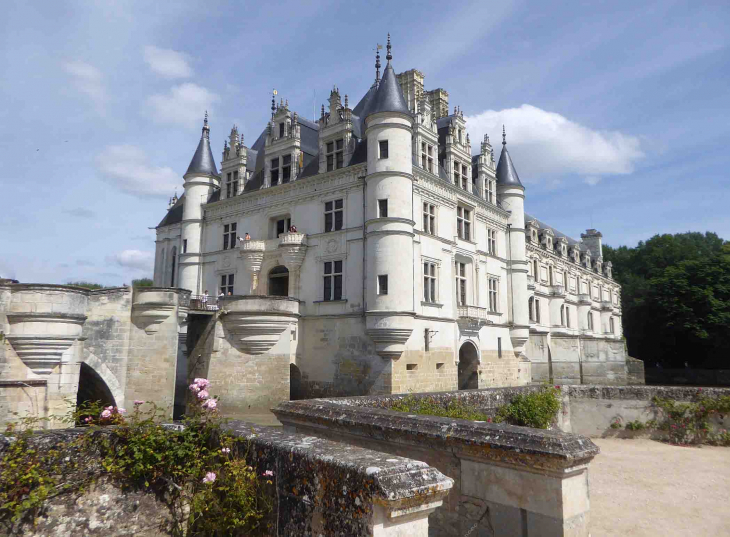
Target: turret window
383, 146
333, 215
275, 171
383, 284
383, 208
332, 280
429, 218
229, 236
463, 223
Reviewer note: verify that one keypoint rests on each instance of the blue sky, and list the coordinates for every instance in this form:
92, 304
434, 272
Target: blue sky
617, 113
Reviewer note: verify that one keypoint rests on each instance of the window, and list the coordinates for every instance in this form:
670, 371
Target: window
383, 284
333, 280
550, 274
429, 218
565, 280
531, 308
285, 168
562, 315
537, 311
427, 156
274, 171
383, 145
535, 272
460, 283
567, 316
383, 208
459, 177
610, 325
229, 236
499, 347
493, 287
492, 241
590, 320
333, 215
335, 154
429, 282
172, 271
463, 223
282, 226
230, 190
185, 246
227, 284
489, 189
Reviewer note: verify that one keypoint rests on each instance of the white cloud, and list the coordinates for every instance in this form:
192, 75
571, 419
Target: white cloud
128, 168
184, 105
81, 212
167, 63
545, 144
89, 80
132, 259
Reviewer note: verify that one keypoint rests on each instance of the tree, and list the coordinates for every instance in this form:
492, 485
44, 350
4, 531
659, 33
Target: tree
142, 282
675, 298
87, 285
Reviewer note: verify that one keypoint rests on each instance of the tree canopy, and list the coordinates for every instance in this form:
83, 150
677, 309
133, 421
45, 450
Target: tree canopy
676, 299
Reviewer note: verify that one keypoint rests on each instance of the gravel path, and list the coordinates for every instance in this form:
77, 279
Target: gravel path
645, 488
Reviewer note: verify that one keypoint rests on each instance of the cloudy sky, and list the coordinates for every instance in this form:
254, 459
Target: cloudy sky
617, 113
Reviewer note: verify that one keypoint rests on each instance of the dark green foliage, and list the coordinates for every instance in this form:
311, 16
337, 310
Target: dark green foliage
676, 299
88, 285
689, 423
142, 282
537, 409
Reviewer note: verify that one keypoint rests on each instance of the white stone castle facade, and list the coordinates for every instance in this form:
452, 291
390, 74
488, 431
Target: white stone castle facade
413, 267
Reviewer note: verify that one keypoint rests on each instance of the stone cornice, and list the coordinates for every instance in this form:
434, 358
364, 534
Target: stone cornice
566, 262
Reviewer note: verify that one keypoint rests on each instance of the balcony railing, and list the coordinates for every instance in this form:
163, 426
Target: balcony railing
203, 303
472, 312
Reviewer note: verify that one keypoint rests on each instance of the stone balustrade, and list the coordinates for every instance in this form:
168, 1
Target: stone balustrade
472, 312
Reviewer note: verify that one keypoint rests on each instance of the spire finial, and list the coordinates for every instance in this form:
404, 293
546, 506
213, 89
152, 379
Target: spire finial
504, 136
273, 103
377, 63
388, 56
206, 129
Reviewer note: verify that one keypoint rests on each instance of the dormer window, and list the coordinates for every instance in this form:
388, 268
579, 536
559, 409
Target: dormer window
274, 171
335, 155
550, 243
460, 175
231, 184
281, 130
427, 156
285, 168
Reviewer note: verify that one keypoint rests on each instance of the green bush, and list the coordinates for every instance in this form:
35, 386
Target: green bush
635, 425
430, 407
537, 409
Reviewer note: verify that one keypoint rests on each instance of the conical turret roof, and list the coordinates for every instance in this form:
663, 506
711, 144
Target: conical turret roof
506, 173
203, 162
389, 96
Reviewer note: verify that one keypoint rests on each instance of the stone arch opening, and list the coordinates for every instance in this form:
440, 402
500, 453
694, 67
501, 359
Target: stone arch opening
468, 366
279, 281
93, 388
295, 383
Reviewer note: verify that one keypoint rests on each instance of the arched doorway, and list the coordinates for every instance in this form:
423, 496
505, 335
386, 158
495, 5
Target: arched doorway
93, 388
279, 281
468, 367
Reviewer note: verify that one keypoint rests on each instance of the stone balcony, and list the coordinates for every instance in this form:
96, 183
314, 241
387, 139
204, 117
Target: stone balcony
531, 283
255, 323
584, 298
472, 313
606, 305
557, 290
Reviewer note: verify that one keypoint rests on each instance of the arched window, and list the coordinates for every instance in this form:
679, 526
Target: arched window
172, 266
279, 281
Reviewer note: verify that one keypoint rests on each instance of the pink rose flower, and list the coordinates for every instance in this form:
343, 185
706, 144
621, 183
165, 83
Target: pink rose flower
109, 408
194, 388
87, 420
203, 383
209, 477
122, 410
226, 450
138, 402
268, 473
210, 404
106, 413
203, 394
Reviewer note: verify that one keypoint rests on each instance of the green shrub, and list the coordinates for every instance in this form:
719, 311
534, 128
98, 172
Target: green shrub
635, 425
430, 407
537, 409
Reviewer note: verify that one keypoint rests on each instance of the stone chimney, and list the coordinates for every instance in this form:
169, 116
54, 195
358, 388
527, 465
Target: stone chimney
592, 239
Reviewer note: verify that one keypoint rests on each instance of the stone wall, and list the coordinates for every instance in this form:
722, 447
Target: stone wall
509, 480
321, 487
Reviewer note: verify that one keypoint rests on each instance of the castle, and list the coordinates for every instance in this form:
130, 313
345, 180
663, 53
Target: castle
369, 252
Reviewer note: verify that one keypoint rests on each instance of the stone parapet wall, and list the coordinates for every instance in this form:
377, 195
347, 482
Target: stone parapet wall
514, 480
321, 487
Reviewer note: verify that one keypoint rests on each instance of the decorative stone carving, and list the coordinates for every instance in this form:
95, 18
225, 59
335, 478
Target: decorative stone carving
389, 342
256, 323
40, 339
293, 248
252, 253
152, 307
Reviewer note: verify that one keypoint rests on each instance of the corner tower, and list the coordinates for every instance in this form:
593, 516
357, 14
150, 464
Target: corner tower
511, 194
200, 180
389, 217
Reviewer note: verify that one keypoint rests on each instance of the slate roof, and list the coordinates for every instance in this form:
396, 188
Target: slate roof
506, 172
174, 214
542, 225
388, 97
203, 161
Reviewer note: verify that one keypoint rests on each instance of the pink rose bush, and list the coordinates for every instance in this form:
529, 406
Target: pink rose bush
198, 387
209, 477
